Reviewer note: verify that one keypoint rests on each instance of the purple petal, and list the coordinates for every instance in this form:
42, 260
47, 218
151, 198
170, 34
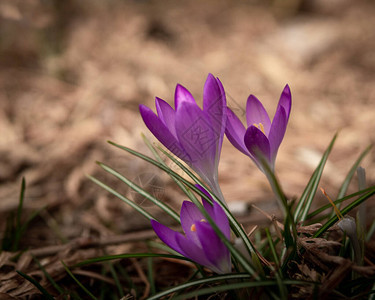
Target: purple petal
190, 215
196, 136
235, 132
214, 104
192, 251
257, 144
277, 132
256, 113
221, 219
285, 101
167, 114
215, 250
182, 95
207, 206
162, 133
167, 235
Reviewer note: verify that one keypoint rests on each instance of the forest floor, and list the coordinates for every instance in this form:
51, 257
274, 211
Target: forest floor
72, 76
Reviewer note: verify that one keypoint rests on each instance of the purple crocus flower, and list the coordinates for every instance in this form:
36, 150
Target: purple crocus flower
192, 134
261, 138
200, 242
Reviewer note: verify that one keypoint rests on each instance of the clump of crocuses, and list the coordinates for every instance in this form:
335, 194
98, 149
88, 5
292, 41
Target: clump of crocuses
200, 243
262, 138
192, 134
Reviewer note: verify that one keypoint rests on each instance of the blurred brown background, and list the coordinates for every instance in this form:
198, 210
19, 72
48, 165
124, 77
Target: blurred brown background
72, 74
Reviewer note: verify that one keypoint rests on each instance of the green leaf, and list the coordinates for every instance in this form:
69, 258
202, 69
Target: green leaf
18, 232
123, 198
129, 255
116, 279
160, 160
327, 206
50, 279
37, 285
142, 192
235, 225
78, 282
304, 203
344, 211
224, 287
348, 178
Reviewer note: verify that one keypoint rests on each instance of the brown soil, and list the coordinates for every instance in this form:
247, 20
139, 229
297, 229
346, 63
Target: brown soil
72, 76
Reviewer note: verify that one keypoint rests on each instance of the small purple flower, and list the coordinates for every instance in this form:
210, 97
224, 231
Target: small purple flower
261, 138
192, 134
200, 242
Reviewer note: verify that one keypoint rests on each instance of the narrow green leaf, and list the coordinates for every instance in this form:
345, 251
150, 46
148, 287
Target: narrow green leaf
272, 247
239, 285
129, 255
222, 288
160, 160
344, 211
308, 194
142, 192
150, 275
327, 206
116, 279
370, 232
123, 198
235, 225
18, 233
78, 282
50, 279
37, 285
348, 178
289, 236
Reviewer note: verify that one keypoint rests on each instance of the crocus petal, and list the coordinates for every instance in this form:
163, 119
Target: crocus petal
235, 132
215, 250
182, 95
285, 101
190, 215
162, 133
221, 219
192, 251
214, 104
167, 235
196, 136
207, 206
277, 131
257, 144
167, 114
216, 213
256, 113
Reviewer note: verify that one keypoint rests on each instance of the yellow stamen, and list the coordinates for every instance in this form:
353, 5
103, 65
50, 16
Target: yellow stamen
337, 211
203, 220
193, 228
260, 126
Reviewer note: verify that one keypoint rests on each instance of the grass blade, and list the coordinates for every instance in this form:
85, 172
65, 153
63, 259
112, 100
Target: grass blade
157, 156
304, 203
18, 232
344, 211
116, 279
50, 279
78, 282
128, 255
348, 178
327, 206
123, 198
142, 192
37, 285
222, 288
235, 225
